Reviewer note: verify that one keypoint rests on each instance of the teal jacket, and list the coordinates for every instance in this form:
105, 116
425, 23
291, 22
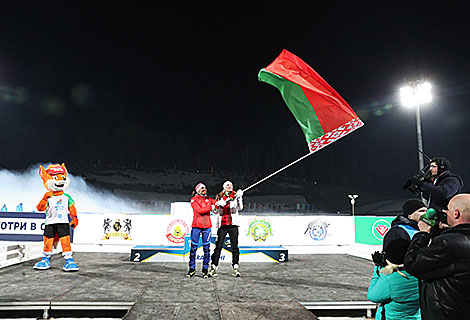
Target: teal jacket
399, 295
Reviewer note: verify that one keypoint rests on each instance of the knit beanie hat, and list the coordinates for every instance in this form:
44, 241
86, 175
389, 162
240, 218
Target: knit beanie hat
226, 183
199, 187
410, 206
395, 250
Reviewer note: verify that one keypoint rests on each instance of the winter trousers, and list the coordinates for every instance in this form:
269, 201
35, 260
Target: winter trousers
196, 233
233, 234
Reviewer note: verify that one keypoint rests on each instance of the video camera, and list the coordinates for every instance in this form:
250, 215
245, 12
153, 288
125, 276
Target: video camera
423, 175
379, 259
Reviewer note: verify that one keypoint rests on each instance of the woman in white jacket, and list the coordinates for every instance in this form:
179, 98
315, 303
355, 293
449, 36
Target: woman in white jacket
228, 221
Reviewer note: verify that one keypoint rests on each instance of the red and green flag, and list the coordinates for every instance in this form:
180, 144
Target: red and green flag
323, 115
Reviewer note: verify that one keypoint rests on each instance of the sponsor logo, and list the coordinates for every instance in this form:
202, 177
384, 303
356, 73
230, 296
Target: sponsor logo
177, 230
259, 230
380, 228
58, 206
117, 230
317, 230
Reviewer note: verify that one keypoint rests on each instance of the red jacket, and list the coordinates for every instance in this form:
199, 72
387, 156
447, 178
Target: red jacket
202, 207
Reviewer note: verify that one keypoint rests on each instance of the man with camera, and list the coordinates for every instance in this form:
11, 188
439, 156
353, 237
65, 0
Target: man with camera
438, 184
443, 264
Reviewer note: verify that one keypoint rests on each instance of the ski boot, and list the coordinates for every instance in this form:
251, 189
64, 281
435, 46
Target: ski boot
205, 273
44, 264
213, 271
235, 271
70, 265
191, 273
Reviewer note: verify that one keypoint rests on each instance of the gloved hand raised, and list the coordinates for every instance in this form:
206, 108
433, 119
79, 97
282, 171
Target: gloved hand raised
416, 181
221, 203
239, 193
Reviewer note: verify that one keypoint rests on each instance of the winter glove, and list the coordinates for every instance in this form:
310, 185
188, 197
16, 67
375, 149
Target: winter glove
74, 222
221, 203
239, 193
416, 181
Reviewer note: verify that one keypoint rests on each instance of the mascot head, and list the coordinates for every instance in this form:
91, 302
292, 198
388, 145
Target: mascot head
54, 177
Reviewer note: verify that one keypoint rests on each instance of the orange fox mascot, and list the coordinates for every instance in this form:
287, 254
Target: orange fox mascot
58, 206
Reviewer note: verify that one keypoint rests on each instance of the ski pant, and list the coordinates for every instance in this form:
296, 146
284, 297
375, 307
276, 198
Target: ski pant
196, 233
233, 234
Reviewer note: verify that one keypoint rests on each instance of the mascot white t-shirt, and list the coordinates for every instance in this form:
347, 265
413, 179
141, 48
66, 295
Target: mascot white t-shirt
58, 209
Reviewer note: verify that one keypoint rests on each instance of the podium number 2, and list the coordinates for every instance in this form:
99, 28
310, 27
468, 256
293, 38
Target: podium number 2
282, 257
137, 256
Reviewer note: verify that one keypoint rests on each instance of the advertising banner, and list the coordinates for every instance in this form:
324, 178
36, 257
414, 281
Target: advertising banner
371, 230
21, 226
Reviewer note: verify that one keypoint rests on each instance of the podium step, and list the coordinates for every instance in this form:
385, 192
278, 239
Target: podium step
181, 253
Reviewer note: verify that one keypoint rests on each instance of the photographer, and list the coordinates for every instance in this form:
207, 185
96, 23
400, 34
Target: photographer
443, 264
405, 225
395, 290
390, 286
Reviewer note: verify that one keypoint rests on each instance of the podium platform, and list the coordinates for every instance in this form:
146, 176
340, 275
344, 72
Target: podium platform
181, 253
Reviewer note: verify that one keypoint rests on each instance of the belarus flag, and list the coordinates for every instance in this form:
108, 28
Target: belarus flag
322, 114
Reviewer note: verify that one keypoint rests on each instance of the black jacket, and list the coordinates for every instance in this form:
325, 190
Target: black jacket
439, 193
444, 268
396, 232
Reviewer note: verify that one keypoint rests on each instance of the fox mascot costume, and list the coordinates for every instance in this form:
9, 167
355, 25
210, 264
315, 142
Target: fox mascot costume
58, 206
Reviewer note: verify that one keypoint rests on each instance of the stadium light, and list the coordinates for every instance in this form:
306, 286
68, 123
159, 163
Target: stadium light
353, 198
414, 95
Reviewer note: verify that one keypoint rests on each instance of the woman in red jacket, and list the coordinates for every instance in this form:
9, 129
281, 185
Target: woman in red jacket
202, 206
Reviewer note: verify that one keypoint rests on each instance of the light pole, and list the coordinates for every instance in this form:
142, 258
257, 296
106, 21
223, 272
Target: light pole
414, 95
353, 198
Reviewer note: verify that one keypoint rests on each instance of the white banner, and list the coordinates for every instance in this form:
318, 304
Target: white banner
168, 230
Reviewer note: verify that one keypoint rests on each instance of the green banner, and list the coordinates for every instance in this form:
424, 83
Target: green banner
371, 230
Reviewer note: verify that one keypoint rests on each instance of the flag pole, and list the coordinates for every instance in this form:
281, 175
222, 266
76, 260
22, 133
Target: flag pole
283, 168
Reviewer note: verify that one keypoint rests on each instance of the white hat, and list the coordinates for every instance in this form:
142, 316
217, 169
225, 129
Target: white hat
226, 183
200, 186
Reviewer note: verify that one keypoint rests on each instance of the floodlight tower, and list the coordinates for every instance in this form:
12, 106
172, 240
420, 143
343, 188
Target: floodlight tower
414, 95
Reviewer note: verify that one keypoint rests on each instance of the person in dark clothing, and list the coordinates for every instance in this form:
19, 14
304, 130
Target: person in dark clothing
405, 225
443, 185
443, 264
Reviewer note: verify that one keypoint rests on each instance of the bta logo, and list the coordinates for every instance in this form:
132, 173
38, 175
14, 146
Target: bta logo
201, 257
380, 228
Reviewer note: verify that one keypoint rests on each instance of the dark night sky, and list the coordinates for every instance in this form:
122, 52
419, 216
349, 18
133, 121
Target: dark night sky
177, 86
